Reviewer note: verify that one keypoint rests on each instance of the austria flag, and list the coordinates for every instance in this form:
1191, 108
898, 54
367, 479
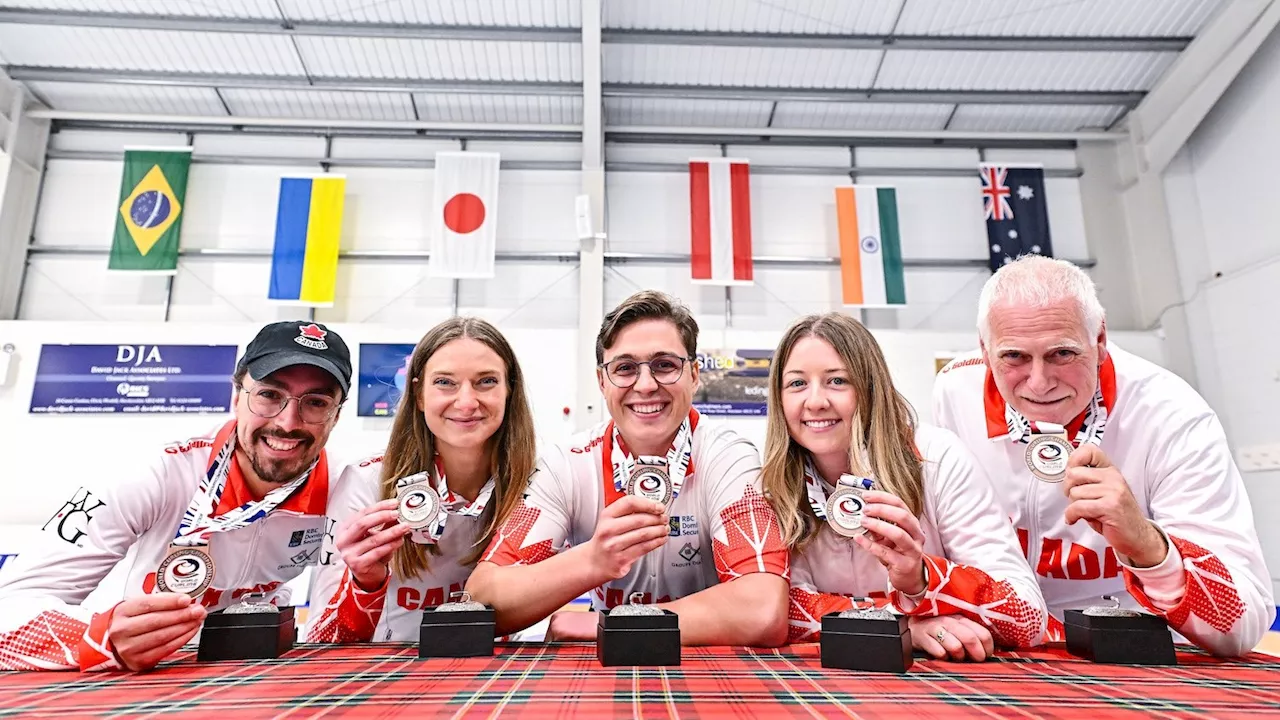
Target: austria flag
720, 211
465, 219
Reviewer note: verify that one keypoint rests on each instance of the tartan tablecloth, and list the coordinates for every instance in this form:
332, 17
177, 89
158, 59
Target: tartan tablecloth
565, 680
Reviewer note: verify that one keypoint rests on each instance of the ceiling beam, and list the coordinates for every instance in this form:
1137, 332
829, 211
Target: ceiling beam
415, 31
709, 135
288, 82
896, 42
632, 90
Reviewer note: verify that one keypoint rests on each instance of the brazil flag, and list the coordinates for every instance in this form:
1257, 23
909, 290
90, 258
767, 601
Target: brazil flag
149, 216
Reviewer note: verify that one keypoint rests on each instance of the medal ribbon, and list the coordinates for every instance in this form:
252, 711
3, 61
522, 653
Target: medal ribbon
817, 493
450, 503
677, 459
197, 524
1095, 421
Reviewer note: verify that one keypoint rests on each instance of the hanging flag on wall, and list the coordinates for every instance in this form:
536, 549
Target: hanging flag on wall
304, 262
464, 236
720, 215
870, 246
1017, 216
149, 216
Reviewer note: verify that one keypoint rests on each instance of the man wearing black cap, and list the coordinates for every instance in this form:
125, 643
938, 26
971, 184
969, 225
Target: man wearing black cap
240, 511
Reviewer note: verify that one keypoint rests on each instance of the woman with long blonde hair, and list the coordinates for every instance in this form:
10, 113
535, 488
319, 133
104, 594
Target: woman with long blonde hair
875, 506
412, 523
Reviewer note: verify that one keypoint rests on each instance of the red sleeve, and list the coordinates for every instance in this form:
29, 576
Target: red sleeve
55, 641
962, 590
508, 545
804, 617
351, 615
753, 543
1210, 597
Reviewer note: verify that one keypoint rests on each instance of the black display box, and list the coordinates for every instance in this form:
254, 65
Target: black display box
247, 636
456, 634
1141, 639
644, 640
866, 644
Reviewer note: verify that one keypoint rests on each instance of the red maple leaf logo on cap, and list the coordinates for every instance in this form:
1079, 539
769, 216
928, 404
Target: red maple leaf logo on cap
312, 331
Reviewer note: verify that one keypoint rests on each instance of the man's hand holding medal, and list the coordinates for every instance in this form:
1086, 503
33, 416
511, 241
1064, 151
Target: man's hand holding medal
1099, 495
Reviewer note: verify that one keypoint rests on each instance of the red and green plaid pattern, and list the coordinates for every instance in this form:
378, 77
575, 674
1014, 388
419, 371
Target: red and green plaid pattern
560, 681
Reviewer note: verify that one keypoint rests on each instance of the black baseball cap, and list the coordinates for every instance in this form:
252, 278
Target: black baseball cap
297, 342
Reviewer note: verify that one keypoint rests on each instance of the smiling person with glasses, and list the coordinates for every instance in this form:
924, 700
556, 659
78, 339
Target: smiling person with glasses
656, 502
238, 511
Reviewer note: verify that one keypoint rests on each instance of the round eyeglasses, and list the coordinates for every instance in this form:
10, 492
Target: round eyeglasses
624, 372
313, 408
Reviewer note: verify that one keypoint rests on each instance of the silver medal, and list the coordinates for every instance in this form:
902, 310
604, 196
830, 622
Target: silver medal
844, 511
187, 570
419, 505
1047, 457
651, 482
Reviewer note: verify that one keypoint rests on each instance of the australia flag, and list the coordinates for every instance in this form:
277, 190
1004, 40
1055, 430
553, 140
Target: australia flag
1017, 217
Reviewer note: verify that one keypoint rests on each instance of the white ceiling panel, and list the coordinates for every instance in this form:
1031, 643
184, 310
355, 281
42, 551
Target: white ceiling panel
184, 8
319, 104
769, 67
861, 116
1055, 17
92, 97
954, 70
116, 49
527, 109
687, 113
441, 59
791, 16
1034, 118
520, 13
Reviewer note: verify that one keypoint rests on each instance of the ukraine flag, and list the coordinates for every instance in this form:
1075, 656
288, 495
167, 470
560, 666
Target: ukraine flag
304, 263
149, 217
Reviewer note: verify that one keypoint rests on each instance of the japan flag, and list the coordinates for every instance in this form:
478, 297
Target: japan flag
465, 215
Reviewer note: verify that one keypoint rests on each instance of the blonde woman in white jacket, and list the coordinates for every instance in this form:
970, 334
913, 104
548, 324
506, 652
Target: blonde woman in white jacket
931, 541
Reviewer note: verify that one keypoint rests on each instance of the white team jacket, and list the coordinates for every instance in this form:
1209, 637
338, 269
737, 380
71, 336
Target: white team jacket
971, 551
43, 627
721, 526
343, 613
1213, 586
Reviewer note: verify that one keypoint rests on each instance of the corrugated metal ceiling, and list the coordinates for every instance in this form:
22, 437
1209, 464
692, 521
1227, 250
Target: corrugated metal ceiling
522, 13
1132, 18
793, 16
953, 70
523, 56
738, 66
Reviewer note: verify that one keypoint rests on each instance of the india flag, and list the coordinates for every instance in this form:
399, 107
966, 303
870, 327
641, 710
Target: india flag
870, 249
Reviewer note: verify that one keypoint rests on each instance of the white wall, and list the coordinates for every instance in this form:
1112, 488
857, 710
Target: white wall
1225, 212
233, 207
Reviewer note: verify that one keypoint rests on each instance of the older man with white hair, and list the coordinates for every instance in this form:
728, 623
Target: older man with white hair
1115, 472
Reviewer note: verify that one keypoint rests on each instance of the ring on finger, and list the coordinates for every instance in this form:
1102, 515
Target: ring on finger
940, 636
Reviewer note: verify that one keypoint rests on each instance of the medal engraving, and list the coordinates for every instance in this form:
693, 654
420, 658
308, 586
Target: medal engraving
185, 570
419, 505
651, 482
1047, 457
844, 511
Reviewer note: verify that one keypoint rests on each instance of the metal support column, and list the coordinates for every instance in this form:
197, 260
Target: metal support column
591, 255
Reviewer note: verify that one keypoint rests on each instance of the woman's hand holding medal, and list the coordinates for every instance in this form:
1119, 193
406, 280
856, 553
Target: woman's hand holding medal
894, 537
367, 540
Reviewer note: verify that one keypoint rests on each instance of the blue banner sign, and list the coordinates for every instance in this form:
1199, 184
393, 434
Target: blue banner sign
95, 379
